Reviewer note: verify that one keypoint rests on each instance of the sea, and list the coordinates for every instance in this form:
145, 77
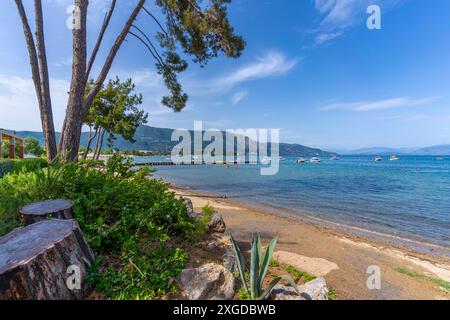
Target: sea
406, 199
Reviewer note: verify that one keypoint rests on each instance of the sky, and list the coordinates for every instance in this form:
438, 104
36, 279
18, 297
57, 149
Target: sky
311, 68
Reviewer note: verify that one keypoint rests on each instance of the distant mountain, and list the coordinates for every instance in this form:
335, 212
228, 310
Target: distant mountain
442, 150
380, 151
159, 140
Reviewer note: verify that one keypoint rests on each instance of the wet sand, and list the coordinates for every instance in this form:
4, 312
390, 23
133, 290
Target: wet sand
352, 251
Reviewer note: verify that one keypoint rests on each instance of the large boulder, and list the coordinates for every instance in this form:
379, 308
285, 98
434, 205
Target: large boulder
208, 282
216, 225
47, 260
189, 205
313, 290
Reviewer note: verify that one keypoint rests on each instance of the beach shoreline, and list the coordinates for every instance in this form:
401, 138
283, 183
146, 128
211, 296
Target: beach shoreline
352, 249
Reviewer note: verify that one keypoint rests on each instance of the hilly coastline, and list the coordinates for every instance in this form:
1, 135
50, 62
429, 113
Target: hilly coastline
159, 140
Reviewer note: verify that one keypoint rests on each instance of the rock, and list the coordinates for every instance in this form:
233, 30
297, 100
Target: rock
189, 205
208, 282
313, 290
316, 266
216, 225
39, 211
39, 262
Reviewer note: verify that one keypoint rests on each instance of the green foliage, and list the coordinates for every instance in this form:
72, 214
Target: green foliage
306, 277
259, 264
32, 147
203, 221
133, 224
5, 150
19, 165
200, 29
442, 283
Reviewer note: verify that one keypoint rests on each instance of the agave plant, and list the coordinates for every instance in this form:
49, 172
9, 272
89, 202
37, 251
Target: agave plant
259, 264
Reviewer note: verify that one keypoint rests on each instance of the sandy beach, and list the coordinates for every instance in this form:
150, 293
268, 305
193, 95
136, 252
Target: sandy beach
341, 256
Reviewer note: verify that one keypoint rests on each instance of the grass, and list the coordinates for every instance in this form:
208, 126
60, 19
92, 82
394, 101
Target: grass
306, 277
441, 283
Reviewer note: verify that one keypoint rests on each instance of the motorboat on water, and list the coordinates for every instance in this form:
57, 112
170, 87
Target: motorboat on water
335, 158
393, 158
314, 160
300, 160
265, 160
377, 159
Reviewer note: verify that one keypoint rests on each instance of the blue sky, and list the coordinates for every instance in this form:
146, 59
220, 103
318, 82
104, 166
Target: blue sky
311, 68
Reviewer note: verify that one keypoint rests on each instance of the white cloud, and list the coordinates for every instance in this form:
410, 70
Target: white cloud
326, 37
18, 104
380, 105
340, 15
270, 65
239, 96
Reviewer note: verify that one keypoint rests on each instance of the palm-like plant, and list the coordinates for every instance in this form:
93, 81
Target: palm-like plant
259, 264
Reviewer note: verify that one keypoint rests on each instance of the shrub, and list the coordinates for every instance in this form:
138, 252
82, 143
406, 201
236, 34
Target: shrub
133, 224
206, 217
18, 165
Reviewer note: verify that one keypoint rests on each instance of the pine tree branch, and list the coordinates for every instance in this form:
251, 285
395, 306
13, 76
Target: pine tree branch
100, 38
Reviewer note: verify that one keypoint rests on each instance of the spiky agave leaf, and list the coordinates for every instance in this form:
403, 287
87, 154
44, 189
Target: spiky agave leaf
266, 261
254, 268
260, 249
240, 262
273, 283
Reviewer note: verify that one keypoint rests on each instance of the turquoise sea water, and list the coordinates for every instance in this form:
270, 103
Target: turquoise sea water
407, 198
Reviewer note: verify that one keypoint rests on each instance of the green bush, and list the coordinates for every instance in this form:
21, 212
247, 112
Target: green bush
18, 165
133, 224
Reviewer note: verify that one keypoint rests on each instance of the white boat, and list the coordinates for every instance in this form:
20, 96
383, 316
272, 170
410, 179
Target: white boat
300, 160
314, 160
335, 158
376, 159
265, 160
393, 158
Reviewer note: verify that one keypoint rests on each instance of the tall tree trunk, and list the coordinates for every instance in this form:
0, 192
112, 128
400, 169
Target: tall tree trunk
70, 140
97, 144
39, 71
77, 108
91, 138
101, 145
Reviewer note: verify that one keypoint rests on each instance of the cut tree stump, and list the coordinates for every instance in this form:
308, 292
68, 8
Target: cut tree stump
58, 209
45, 261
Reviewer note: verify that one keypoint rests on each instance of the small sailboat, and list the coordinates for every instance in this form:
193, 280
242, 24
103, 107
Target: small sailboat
377, 159
300, 160
393, 158
314, 160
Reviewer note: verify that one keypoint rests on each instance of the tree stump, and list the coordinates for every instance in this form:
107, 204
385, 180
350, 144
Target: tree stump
58, 209
45, 261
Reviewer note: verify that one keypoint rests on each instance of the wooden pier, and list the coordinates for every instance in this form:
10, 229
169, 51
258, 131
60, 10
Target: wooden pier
191, 163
